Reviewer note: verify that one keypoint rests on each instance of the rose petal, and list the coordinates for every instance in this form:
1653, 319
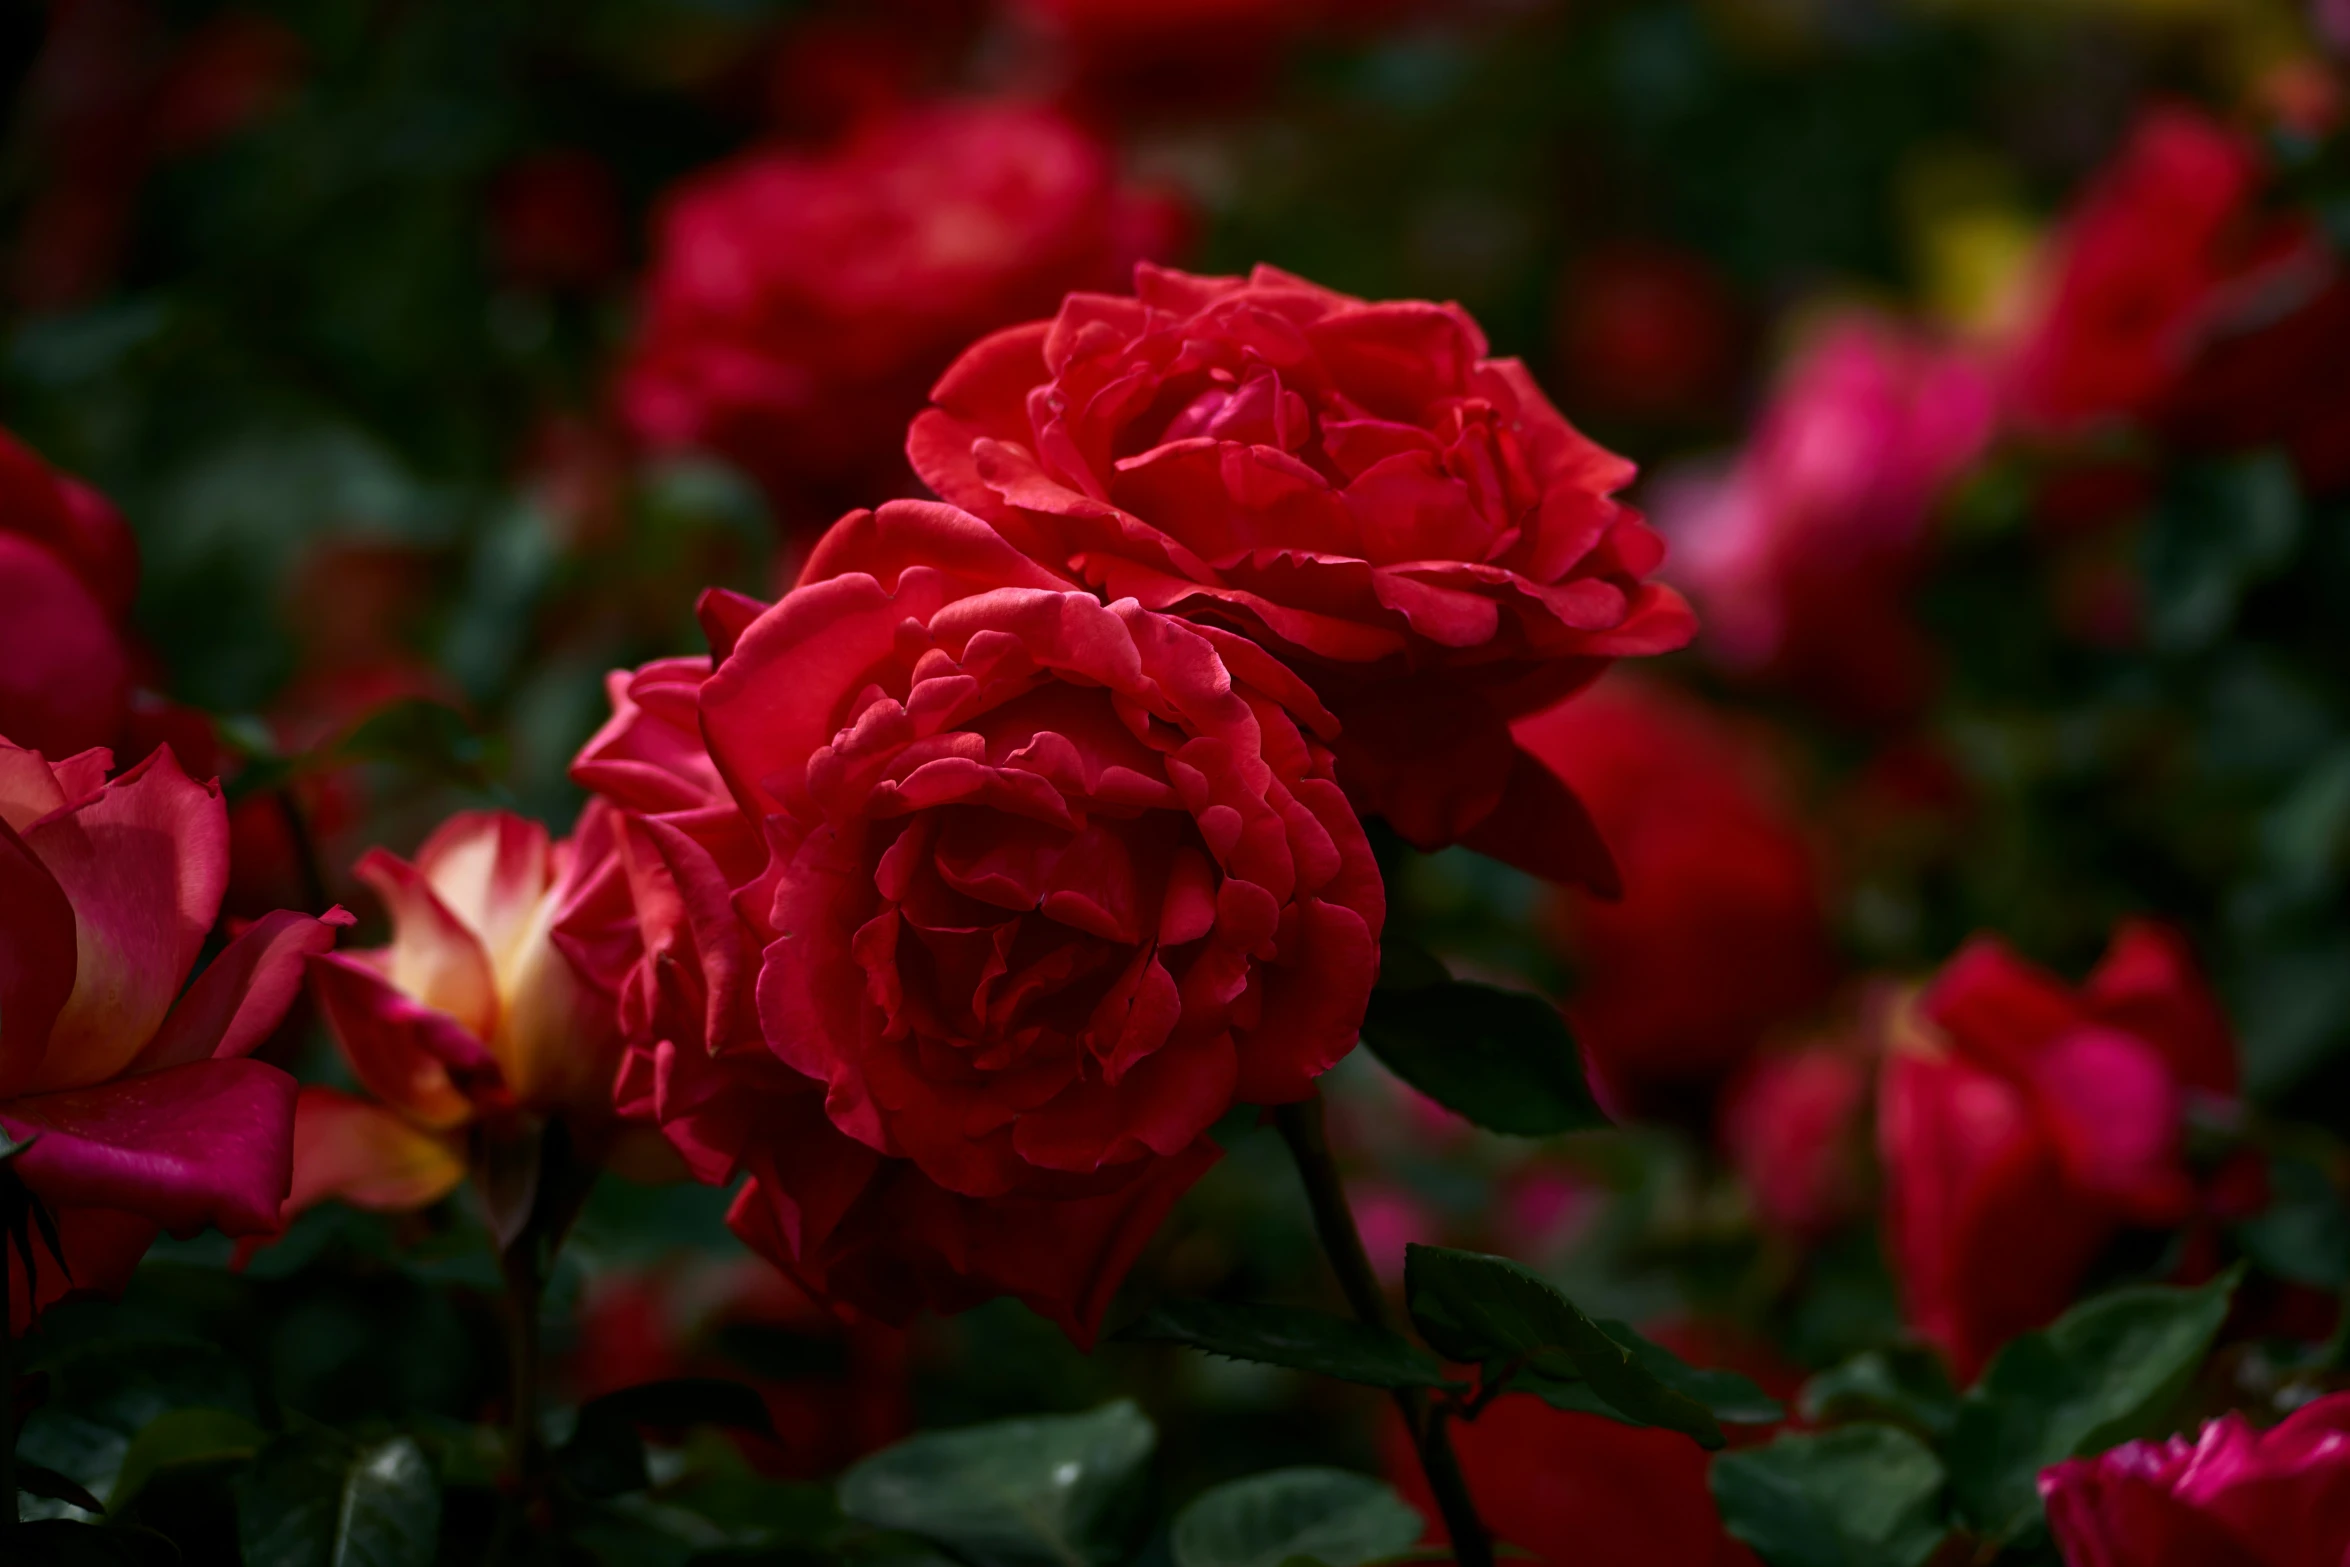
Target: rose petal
244, 992
412, 1057
348, 1149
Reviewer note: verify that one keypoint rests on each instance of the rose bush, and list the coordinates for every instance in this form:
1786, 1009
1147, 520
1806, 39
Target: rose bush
68, 572
2230, 1496
1355, 485
141, 1112
2023, 1122
799, 304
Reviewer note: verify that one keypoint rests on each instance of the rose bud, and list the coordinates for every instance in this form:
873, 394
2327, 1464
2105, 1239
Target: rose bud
2230, 1496
68, 571
798, 306
1577, 1490
1356, 486
1721, 932
473, 1026
1802, 556
141, 1114
2022, 1124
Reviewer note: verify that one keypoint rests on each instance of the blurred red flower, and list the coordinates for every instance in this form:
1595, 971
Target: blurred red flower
556, 221
143, 1115
2128, 283
2230, 1496
1647, 331
2022, 1122
799, 305
1802, 556
1404, 520
68, 572
1794, 1127
1578, 1490
1720, 933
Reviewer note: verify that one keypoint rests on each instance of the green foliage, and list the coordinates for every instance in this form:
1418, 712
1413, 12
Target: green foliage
1858, 1496
1502, 1059
2106, 1372
1729, 1397
1056, 1491
1503, 1314
316, 1498
1907, 1385
1294, 1337
1328, 1516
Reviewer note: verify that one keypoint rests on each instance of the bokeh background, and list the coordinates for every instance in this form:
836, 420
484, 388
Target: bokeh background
389, 327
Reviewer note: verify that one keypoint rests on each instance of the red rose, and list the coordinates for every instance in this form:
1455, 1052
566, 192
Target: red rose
2133, 272
2229, 1497
68, 571
798, 304
2025, 1122
1793, 1127
143, 1114
2268, 370
1803, 554
1578, 1490
1052, 886
1720, 933
1358, 487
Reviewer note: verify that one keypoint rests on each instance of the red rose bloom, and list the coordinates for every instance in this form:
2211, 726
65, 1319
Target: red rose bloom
1358, 487
799, 304
1720, 933
1793, 1128
2133, 272
2027, 1122
1051, 887
1578, 1490
2229, 1497
68, 570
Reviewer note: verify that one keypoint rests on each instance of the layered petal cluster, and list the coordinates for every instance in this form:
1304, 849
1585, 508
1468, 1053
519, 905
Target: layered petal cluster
1802, 555
2230, 1496
1034, 891
1358, 487
1721, 931
798, 305
68, 572
473, 1015
2027, 1121
142, 1112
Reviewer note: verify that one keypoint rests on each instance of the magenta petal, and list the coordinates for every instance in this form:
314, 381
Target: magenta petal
243, 993
36, 959
414, 1058
206, 1143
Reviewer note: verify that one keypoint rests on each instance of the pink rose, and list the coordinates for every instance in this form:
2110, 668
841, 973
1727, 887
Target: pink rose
1358, 487
142, 1113
2230, 1496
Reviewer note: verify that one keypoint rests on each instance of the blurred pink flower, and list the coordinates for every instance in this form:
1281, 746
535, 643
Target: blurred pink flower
1801, 555
1792, 1128
1390, 1217
2230, 1496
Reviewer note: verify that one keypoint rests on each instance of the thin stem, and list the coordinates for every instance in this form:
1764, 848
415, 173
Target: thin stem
9, 1501
1334, 1222
525, 1293
305, 846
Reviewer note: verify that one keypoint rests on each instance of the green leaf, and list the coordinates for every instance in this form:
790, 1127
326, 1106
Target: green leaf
2221, 528
1292, 1336
1858, 1496
1055, 1491
1501, 1058
1332, 1516
1730, 1398
1490, 1309
184, 1436
103, 1393
49, 1485
319, 1499
1906, 1386
66, 1542
2106, 1372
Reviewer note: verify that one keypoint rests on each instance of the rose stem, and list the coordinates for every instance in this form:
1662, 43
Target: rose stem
525, 1293
1334, 1222
9, 1501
